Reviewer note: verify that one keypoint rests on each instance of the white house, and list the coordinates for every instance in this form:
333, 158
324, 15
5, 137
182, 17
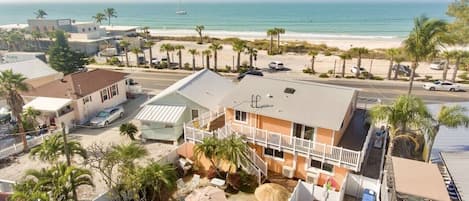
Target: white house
35, 70
164, 115
83, 94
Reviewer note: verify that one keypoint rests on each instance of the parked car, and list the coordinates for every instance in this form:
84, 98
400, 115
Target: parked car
355, 69
251, 72
155, 61
368, 195
276, 65
438, 65
107, 116
442, 86
402, 69
141, 60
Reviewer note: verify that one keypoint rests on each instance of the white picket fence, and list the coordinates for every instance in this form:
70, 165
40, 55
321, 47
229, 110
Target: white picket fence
18, 147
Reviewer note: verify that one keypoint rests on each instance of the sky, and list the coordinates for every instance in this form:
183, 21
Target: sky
212, 1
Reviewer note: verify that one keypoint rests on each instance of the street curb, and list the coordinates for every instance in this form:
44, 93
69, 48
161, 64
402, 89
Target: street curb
148, 70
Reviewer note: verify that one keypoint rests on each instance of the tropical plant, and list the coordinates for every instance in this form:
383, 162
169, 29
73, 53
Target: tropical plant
215, 47
11, 85
28, 190
36, 35
128, 154
199, 29
54, 147
279, 31
125, 44
252, 54
359, 52
179, 48
210, 149
238, 46
110, 13
313, 55
29, 118
167, 47
459, 28
62, 58
99, 18
458, 55
136, 51
193, 52
207, 54
344, 56
156, 181
271, 33
233, 149
391, 53
128, 129
422, 41
149, 44
40, 14
146, 32
398, 59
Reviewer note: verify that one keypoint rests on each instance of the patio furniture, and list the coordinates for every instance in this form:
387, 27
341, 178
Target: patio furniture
217, 182
195, 181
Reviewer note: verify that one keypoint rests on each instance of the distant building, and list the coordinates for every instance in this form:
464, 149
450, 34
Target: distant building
121, 30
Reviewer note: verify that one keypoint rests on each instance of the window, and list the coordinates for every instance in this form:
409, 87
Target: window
240, 116
114, 91
322, 166
273, 153
86, 99
94, 28
194, 113
303, 132
104, 95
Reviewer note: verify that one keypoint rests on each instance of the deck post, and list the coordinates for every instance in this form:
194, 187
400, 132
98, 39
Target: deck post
340, 156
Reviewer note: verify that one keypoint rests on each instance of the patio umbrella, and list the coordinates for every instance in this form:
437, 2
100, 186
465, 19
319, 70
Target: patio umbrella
271, 192
208, 193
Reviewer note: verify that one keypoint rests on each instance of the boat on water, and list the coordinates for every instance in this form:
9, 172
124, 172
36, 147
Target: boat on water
179, 10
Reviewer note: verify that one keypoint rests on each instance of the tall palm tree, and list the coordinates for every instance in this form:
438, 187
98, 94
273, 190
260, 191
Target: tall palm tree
36, 35
233, 149
210, 149
11, 85
422, 41
215, 47
238, 46
271, 33
167, 47
54, 147
99, 18
458, 55
252, 52
391, 53
40, 14
398, 59
207, 54
448, 116
128, 154
157, 181
149, 44
179, 48
359, 51
128, 129
199, 29
344, 56
125, 44
447, 55
136, 51
313, 55
193, 52
110, 13
279, 31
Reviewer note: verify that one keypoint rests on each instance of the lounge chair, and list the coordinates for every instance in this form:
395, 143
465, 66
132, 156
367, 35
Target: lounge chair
195, 181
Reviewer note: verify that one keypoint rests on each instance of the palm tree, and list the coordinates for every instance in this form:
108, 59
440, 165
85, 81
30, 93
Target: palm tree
40, 14
136, 51
146, 32
279, 31
448, 116
391, 53
210, 149
128, 129
11, 85
233, 149
459, 55
207, 54
193, 52
359, 51
157, 181
179, 48
110, 13
125, 44
422, 41
167, 47
398, 59
54, 147
149, 44
99, 18
199, 29
28, 190
271, 33
344, 56
447, 55
239, 46
313, 55
36, 35
252, 53
215, 47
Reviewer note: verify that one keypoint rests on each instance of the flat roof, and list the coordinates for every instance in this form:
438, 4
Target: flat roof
48, 104
419, 179
457, 163
119, 28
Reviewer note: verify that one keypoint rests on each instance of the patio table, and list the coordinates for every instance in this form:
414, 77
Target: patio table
217, 182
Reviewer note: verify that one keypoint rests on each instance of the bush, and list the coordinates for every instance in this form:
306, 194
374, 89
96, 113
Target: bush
464, 76
330, 72
364, 74
428, 77
162, 65
376, 78
248, 182
308, 71
327, 53
187, 66
323, 75
92, 60
349, 76
113, 61
228, 68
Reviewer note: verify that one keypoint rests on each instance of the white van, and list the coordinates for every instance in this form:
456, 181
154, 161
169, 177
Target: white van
276, 65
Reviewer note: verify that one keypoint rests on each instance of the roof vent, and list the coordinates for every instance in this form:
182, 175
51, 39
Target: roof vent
289, 91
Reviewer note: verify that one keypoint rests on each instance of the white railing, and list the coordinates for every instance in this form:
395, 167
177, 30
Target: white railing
334, 155
18, 147
307, 191
366, 144
204, 119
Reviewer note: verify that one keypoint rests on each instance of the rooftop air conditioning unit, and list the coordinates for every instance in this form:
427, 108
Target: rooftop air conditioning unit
288, 171
312, 177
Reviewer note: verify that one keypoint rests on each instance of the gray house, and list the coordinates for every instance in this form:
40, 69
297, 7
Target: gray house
164, 115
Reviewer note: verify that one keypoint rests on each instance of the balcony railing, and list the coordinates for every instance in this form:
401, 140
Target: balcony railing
323, 152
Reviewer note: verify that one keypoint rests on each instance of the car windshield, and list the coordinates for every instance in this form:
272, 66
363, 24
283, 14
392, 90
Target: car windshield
103, 114
436, 82
436, 62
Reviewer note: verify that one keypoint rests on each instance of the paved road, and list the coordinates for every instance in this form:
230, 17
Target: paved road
371, 90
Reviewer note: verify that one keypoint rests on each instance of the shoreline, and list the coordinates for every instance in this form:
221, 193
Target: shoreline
341, 41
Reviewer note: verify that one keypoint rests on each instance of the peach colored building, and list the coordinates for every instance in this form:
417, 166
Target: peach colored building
301, 130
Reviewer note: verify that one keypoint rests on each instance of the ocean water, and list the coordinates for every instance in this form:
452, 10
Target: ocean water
361, 20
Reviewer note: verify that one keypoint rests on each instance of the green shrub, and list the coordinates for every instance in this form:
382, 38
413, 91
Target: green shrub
187, 66
92, 60
327, 53
464, 76
308, 71
323, 75
113, 61
330, 72
228, 68
349, 76
248, 182
376, 78
428, 77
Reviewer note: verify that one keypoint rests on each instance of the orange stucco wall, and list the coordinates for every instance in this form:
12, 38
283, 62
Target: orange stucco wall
275, 125
324, 135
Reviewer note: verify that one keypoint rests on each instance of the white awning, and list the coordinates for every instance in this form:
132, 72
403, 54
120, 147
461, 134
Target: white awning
161, 113
48, 104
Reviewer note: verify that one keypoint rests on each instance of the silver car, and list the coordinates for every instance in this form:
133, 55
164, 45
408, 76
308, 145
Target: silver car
442, 86
107, 116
